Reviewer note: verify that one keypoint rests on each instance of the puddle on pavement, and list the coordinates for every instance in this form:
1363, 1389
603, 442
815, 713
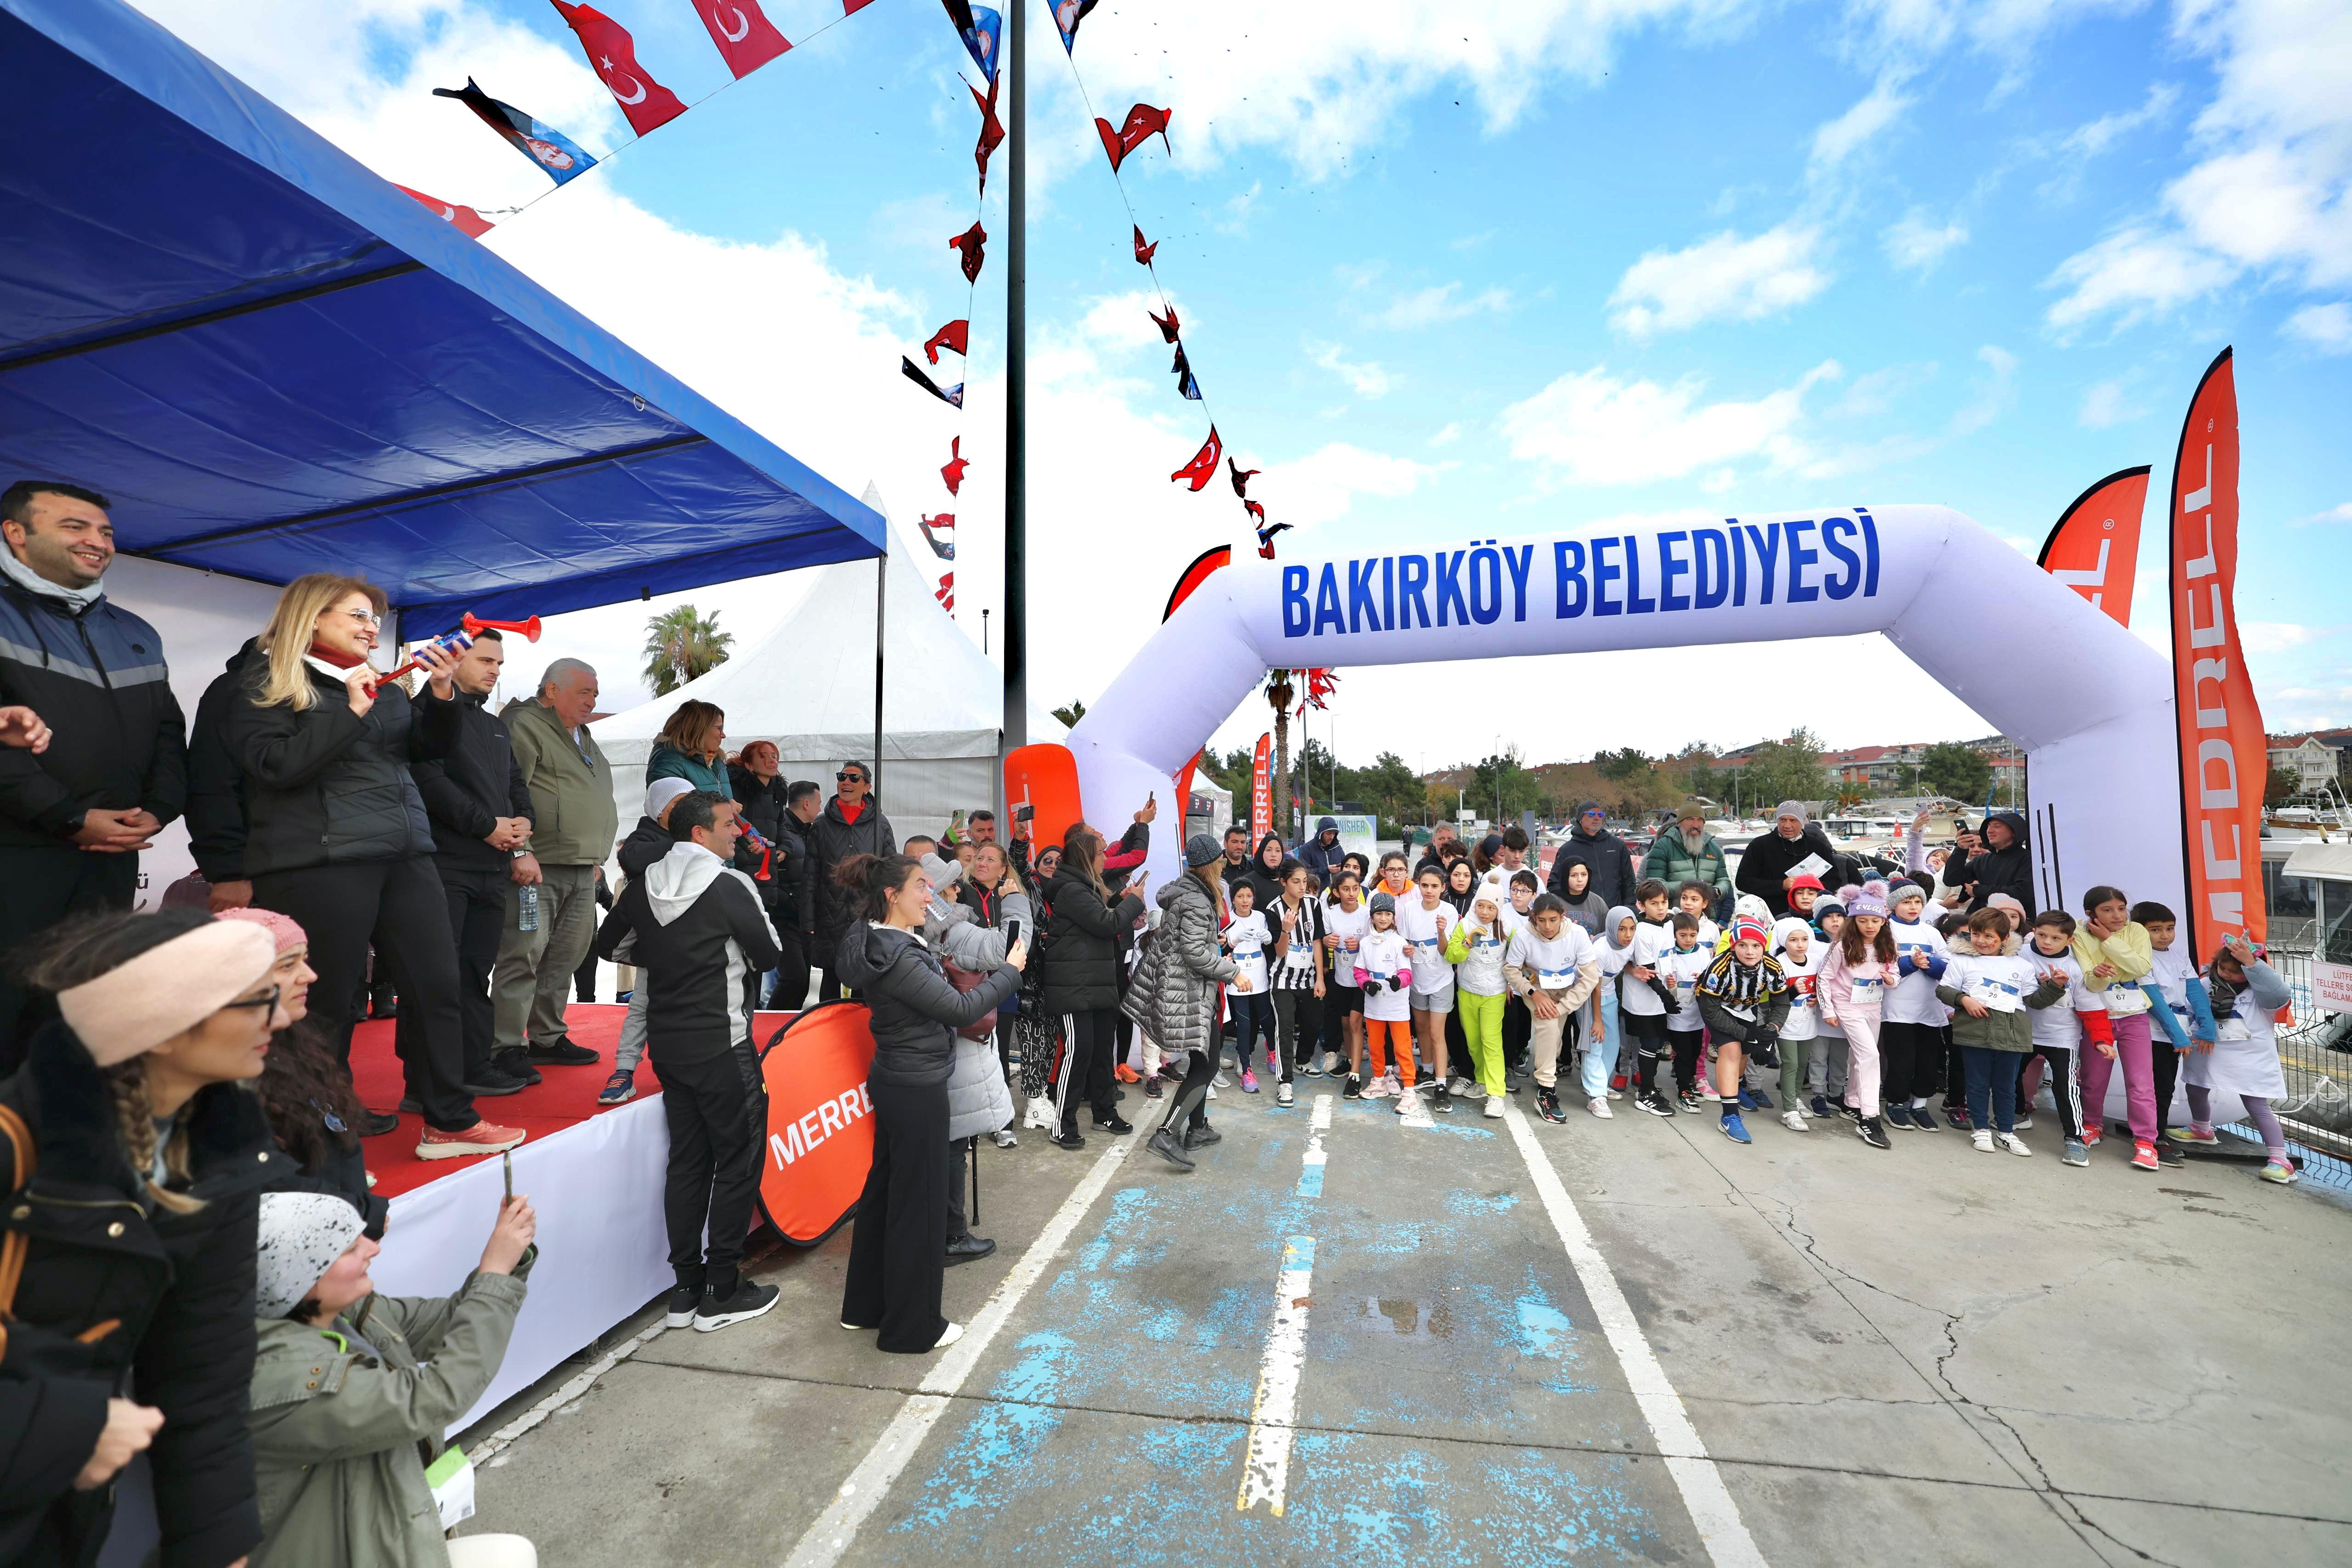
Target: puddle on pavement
1400, 1318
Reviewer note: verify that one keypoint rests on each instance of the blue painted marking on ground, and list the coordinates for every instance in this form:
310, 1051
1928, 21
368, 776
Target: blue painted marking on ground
1370, 1499
1310, 1182
1467, 1204
1298, 1253
1543, 1328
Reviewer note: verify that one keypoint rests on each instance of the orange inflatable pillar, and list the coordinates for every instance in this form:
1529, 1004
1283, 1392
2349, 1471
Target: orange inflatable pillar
1045, 778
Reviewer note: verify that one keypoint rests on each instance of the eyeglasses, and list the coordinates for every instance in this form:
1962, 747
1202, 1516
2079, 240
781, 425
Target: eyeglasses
365, 617
849, 778
268, 998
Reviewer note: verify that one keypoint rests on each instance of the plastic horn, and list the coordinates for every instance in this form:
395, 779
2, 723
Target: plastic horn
530, 628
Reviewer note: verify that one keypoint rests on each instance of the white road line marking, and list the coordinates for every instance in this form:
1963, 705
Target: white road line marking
1311, 1174
1728, 1545
826, 1539
1266, 1471
1319, 1119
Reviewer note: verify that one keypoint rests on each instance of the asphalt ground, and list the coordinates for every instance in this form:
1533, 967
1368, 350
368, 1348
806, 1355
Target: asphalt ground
1496, 1341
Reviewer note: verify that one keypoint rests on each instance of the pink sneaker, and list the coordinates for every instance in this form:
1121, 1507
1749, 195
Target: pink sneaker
1249, 1081
481, 1138
2143, 1157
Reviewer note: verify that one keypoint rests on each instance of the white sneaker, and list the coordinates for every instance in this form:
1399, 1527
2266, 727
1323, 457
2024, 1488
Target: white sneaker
1982, 1138
1376, 1089
1457, 1084
1284, 1095
1040, 1114
2012, 1144
1212, 1092
1408, 1102
2024, 1123
1471, 1089
1005, 1140
948, 1337
1394, 1087
1794, 1121
1599, 1108
1616, 1094
1495, 1106
1332, 1062
1221, 1081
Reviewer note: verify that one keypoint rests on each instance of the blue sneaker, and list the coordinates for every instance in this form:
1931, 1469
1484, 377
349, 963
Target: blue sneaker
619, 1089
1924, 1120
1821, 1106
1898, 1115
1735, 1129
1754, 1100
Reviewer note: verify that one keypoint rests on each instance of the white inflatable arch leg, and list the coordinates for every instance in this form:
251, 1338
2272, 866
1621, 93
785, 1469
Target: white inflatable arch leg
2091, 704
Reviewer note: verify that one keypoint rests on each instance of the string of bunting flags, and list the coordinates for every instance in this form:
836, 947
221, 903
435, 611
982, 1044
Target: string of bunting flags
1120, 142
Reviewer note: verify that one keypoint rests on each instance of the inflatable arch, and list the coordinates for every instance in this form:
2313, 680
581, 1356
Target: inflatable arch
2091, 704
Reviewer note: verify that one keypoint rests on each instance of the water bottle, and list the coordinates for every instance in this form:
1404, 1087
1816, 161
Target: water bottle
527, 919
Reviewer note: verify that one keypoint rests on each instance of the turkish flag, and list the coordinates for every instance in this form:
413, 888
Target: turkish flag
1169, 329
469, 222
746, 38
1143, 253
1143, 122
952, 336
972, 243
612, 56
991, 129
957, 464
1203, 466
1241, 477
945, 591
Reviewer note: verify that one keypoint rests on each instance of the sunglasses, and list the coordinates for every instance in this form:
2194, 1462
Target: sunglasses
849, 778
268, 998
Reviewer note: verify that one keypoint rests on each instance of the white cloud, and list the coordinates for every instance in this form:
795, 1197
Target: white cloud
1444, 302
1721, 279
2326, 328
1592, 428
2106, 406
1840, 139
1917, 240
2090, 140
1124, 321
2272, 193
1448, 436
2341, 513
1996, 394
1321, 486
2278, 636
1365, 380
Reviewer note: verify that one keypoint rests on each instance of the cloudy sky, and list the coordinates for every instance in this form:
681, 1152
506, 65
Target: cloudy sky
1451, 270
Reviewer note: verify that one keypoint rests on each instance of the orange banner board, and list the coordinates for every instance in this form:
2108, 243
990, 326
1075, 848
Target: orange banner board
2095, 548
2224, 759
1262, 792
820, 1121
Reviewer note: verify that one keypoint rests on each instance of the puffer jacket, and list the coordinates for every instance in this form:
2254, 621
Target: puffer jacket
342, 1428
832, 838
216, 813
327, 786
1672, 861
1083, 952
669, 762
1604, 855
178, 1288
2009, 870
1766, 863
915, 1011
970, 932
1175, 993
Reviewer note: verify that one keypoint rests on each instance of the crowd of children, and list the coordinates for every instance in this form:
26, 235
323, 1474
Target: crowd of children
1462, 981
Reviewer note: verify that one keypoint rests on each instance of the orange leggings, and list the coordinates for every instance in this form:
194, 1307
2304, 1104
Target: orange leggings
1380, 1033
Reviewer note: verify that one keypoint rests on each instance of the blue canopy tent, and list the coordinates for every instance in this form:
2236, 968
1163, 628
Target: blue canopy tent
273, 362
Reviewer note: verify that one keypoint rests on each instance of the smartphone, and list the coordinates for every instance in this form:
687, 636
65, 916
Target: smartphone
506, 1165
1025, 813
1013, 932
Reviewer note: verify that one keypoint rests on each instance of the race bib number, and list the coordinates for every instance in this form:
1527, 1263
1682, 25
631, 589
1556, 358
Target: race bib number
1994, 994
1556, 980
1869, 991
2234, 1028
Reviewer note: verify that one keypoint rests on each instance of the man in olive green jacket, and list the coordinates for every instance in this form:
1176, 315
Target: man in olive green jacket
351, 1389
573, 831
1686, 852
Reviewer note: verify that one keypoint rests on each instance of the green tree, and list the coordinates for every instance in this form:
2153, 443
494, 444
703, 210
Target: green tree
1390, 787
1623, 765
1503, 784
682, 644
1961, 771
1694, 767
1787, 770
2284, 783
1071, 712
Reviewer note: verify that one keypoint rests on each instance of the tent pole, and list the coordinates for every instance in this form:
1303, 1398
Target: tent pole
1016, 391
874, 767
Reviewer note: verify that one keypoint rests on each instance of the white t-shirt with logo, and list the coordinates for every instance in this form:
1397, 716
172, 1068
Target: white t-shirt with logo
1425, 933
1247, 938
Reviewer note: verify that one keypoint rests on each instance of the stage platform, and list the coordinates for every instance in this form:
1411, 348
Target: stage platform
594, 1173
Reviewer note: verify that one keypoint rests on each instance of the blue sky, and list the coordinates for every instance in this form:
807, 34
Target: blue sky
1451, 270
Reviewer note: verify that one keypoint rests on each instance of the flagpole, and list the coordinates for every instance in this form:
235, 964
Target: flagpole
1016, 389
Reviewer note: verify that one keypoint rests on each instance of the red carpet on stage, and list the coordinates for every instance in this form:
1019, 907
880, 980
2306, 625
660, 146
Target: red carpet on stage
566, 1094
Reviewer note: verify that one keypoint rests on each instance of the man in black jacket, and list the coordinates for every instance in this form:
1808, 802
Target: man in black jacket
217, 791
1602, 853
852, 823
701, 936
796, 909
1996, 859
74, 817
1770, 861
481, 811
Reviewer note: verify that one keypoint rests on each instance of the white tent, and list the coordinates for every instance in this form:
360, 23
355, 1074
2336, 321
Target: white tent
808, 686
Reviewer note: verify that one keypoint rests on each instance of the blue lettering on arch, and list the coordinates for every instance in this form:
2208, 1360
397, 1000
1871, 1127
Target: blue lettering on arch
1800, 557
1568, 566
1767, 540
1603, 574
1869, 552
1840, 587
1327, 602
1517, 560
1412, 578
1671, 566
1710, 587
1634, 603
1449, 588
1361, 605
1296, 614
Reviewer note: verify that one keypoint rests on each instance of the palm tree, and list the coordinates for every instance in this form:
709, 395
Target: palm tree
1278, 692
681, 644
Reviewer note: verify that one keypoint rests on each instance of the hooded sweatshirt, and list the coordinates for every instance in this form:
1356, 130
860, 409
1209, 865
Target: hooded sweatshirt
2009, 870
701, 933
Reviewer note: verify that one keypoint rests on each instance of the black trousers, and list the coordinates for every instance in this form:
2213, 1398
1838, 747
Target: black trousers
400, 907
1909, 1055
1648, 1032
2164, 1064
41, 884
1686, 1044
1189, 1106
2066, 1088
584, 978
792, 989
717, 1109
476, 901
1084, 1072
960, 1153
898, 1254
1518, 1024
1298, 1027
